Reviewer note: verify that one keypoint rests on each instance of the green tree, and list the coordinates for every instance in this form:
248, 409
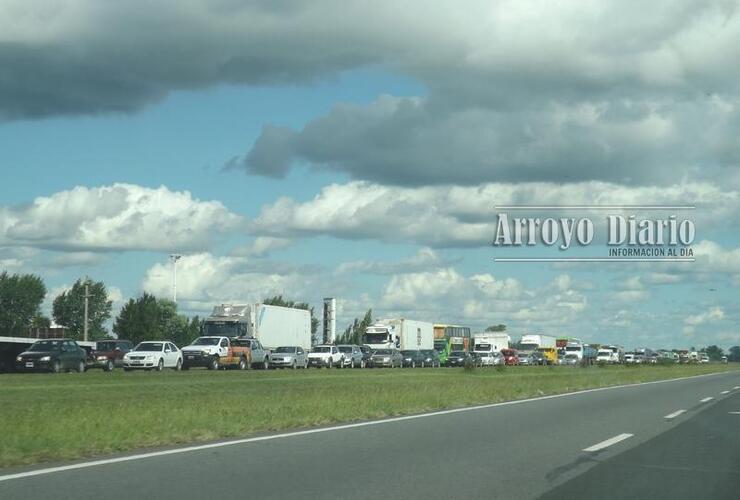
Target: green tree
353, 333
150, 318
278, 300
20, 301
734, 354
714, 352
40, 321
140, 319
496, 328
68, 309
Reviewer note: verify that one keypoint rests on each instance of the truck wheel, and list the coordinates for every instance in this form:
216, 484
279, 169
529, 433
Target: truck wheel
81, 367
330, 364
108, 366
214, 365
242, 364
413, 364
295, 365
266, 364
56, 367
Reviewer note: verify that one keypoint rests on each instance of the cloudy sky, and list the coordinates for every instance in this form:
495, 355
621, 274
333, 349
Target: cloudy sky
357, 149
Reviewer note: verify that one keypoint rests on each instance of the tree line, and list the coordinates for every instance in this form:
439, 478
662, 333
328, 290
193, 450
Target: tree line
142, 318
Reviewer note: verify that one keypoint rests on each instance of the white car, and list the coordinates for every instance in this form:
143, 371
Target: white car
326, 355
154, 355
488, 358
289, 357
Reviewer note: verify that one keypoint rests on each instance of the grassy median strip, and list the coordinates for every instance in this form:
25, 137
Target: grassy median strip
66, 416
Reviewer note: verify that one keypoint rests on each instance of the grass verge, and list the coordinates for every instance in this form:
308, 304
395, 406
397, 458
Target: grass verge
68, 416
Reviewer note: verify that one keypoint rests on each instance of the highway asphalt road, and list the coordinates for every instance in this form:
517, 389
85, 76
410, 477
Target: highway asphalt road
632, 441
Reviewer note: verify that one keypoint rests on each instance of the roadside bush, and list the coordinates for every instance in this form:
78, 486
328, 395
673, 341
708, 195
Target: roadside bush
469, 366
585, 363
500, 368
601, 364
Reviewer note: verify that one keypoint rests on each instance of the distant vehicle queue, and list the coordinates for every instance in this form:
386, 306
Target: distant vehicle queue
238, 336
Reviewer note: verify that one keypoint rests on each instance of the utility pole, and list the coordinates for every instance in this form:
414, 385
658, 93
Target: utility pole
174, 257
87, 298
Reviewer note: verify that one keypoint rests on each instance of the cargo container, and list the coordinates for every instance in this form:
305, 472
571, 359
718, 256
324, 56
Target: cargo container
490, 342
273, 326
530, 342
401, 333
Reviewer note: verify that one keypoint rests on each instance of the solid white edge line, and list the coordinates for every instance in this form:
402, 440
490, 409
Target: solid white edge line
220, 444
674, 414
609, 442
725, 392
706, 400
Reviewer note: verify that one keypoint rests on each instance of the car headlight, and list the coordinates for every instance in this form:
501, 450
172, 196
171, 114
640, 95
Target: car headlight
102, 358
19, 359
45, 358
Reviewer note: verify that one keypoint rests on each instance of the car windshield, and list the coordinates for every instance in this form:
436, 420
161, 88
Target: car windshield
439, 347
46, 345
225, 328
206, 341
345, 348
571, 356
106, 346
322, 348
376, 338
383, 351
285, 350
149, 347
573, 348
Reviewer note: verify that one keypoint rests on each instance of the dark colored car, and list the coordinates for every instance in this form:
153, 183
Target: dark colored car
367, 354
461, 358
108, 354
538, 358
430, 358
412, 358
53, 355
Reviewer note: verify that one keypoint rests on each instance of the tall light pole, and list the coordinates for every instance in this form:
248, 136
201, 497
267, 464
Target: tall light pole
87, 298
174, 257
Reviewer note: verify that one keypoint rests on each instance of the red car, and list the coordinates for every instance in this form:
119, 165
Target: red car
108, 354
510, 357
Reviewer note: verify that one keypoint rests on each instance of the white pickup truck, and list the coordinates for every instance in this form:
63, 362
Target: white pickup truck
326, 355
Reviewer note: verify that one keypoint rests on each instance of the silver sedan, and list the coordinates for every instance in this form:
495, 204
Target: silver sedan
289, 357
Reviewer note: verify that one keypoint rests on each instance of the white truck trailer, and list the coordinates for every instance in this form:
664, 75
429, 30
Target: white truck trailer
531, 343
273, 326
403, 334
490, 342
